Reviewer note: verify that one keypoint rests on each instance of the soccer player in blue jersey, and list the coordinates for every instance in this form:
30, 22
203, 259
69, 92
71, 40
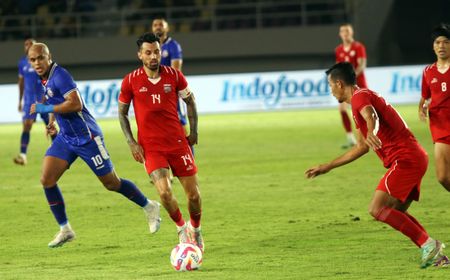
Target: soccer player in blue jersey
79, 136
30, 91
171, 55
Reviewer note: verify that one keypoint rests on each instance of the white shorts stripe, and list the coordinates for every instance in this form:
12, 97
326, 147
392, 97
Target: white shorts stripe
386, 180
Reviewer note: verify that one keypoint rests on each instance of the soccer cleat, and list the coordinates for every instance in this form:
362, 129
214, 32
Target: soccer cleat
442, 261
151, 210
20, 160
196, 237
62, 237
431, 252
183, 234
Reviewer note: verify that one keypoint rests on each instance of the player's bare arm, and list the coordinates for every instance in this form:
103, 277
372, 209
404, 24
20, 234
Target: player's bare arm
354, 153
423, 109
193, 119
371, 117
136, 149
71, 104
362, 64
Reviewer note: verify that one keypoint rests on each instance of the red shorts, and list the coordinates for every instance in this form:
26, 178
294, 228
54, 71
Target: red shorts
403, 178
180, 161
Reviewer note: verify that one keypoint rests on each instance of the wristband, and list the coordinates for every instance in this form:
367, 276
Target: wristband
42, 108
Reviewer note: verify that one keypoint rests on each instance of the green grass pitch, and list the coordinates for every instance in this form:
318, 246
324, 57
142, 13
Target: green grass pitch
261, 218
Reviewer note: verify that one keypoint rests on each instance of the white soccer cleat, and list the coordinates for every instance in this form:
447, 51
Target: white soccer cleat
196, 237
151, 210
20, 159
63, 236
183, 234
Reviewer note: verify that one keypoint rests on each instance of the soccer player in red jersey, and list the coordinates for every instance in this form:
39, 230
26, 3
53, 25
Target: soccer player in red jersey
435, 102
353, 52
381, 128
161, 143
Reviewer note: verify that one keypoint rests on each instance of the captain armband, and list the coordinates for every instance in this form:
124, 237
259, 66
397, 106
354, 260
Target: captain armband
185, 93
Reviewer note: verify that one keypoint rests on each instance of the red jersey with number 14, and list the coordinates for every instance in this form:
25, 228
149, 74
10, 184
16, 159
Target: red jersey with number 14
351, 55
155, 107
397, 140
436, 85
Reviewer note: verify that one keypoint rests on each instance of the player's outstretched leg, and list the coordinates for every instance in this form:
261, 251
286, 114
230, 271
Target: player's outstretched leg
57, 206
128, 189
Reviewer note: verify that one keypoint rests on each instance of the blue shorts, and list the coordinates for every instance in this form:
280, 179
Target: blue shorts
182, 111
93, 153
27, 116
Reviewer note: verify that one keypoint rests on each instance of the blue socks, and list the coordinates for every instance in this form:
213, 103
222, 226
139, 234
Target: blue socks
24, 140
131, 191
56, 203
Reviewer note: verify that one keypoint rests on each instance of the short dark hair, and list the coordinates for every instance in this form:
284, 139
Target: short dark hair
159, 17
442, 29
342, 71
147, 38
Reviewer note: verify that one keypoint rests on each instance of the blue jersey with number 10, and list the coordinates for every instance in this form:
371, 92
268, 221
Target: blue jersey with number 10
76, 128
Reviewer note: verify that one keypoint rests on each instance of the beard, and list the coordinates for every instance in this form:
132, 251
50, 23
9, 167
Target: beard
152, 66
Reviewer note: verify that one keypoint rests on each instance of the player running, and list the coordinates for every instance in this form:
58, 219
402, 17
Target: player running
382, 129
435, 102
154, 90
354, 52
79, 136
30, 91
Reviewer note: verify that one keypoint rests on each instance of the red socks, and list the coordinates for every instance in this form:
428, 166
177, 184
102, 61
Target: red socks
177, 217
195, 219
404, 223
346, 121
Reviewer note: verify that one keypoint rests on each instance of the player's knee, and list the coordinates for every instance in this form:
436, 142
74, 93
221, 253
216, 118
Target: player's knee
47, 181
374, 210
111, 185
166, 195
194, 197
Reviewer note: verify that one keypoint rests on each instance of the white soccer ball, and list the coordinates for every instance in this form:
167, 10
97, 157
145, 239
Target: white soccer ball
186, 257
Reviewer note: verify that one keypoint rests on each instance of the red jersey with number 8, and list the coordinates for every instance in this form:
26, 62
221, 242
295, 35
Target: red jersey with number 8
436, 85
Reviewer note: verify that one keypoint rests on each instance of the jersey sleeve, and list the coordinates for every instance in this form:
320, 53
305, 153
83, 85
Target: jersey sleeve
176, 52
126, 91
359, 101
182, 86
65, 83
426, 92
361, 51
